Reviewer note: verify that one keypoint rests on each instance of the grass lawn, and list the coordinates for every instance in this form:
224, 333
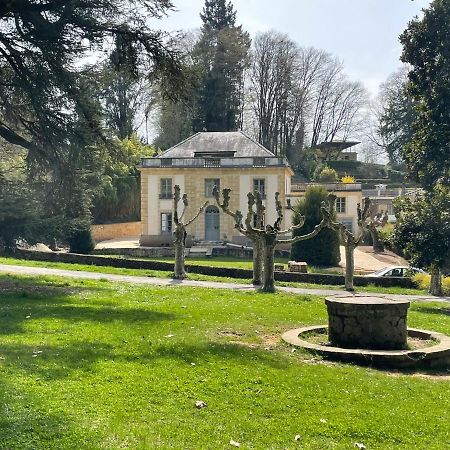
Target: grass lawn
115, 270
233, 262
199, 277
101, 365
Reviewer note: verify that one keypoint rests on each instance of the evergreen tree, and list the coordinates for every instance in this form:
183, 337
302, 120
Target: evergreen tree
323, 249
422, 231
217, 15
45, 87
222, 55
49, 102
121, 76
426, 47
174, 123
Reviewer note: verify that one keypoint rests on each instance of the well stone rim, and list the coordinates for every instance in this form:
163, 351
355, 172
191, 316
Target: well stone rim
434, 355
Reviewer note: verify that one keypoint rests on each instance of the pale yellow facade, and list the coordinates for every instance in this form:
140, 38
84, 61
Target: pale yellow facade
192, 182
348, 196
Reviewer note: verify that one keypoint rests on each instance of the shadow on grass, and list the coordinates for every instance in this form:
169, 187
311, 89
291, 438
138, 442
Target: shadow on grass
23, 287
202, 352
57, 362
27, 300
25, 423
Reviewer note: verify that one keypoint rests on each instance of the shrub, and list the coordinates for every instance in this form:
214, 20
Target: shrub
326, 174
322, 250
81, 241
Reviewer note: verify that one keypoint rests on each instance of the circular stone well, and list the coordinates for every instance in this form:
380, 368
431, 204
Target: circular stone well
367, 322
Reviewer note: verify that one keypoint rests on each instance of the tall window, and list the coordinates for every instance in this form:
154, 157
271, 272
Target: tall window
259, 185
209, 186
166, 222
166, 188
258, 225
340, 205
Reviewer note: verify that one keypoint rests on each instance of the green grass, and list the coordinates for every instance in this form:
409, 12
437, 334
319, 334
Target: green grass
101, 365
114, 270
227, 261
195, 276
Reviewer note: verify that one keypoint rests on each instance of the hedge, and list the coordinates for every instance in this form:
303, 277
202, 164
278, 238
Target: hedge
314, 278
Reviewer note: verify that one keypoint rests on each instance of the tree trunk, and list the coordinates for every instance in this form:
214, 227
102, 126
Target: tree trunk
378, 246
436, 281
269, 282
349, 266
257, 262
179, 242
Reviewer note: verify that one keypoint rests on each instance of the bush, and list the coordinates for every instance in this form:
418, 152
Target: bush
422, 281
322, 250
326, 175
81, 241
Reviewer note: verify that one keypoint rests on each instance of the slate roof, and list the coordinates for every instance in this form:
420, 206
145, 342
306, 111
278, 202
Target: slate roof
221, 144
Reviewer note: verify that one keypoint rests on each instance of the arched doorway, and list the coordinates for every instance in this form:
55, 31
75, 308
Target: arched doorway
212, 224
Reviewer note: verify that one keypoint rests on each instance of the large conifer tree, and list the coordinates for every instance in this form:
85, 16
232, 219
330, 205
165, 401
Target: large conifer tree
222, 54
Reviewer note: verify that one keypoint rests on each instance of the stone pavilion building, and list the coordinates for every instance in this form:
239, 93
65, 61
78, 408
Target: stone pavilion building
226, 159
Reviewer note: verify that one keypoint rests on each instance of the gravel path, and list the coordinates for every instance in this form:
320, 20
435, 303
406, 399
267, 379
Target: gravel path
36, 271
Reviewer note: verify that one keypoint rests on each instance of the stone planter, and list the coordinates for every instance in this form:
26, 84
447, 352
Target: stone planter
367, 322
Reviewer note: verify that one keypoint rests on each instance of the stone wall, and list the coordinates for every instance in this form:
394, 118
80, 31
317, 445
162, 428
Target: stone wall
116, 231
367, 322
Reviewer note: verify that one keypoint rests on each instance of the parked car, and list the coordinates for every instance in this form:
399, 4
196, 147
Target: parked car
395, 271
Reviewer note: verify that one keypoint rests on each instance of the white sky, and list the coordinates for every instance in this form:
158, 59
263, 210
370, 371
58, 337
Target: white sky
362, 33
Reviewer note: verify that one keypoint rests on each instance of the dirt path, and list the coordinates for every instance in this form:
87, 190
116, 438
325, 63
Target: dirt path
368, 261
37, 271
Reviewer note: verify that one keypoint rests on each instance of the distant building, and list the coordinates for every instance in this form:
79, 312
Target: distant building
348, 196
382, 198
336, 151
225, 159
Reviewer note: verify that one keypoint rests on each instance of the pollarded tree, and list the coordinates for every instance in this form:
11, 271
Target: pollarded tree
422, 230
351, 240
258, 219
269, 236
179, 232
374, 222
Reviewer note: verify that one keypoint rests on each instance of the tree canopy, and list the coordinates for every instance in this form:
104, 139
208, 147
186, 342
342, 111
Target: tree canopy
45, 46
426, 47
396, 116
52, 103
422, 230
222, 55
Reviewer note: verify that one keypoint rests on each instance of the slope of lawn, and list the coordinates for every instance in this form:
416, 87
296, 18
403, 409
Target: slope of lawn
100, 365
